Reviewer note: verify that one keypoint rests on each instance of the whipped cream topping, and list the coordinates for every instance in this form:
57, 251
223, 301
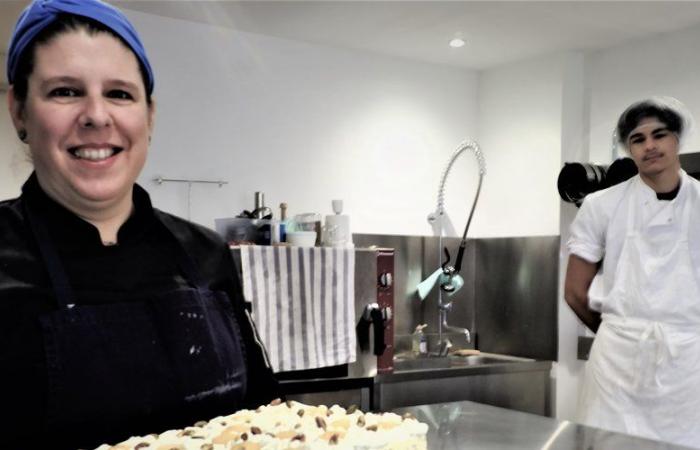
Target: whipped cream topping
290, 425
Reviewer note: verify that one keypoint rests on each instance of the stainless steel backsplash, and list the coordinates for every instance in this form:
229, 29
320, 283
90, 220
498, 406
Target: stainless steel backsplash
509, 298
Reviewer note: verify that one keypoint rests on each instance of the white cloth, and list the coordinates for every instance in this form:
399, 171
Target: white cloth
303, 304
643, 373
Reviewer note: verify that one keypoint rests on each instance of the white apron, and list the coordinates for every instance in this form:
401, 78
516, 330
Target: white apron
643, 373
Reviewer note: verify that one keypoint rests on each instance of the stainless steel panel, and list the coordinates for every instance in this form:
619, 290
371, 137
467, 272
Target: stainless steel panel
516, 306
453, 361
467, 425
508, 302
415, 258
522, 391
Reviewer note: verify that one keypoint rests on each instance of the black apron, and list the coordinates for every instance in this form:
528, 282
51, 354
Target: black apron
140, 366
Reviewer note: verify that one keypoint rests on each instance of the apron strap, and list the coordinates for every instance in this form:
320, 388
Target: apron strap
184, 260
62, 288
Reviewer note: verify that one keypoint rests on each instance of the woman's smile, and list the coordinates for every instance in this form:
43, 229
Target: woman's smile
95, 153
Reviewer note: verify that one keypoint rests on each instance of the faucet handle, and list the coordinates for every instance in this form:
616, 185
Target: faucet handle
445, 347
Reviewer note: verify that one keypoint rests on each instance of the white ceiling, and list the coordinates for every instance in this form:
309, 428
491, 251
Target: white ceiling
497, 32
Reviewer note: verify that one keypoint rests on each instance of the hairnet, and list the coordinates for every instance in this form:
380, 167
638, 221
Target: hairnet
662, 103
41, 13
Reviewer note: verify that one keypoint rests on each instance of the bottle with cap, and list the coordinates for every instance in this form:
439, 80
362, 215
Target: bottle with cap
336, 232
283, 223
419, 344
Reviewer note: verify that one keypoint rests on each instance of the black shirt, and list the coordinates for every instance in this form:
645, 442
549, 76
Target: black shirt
143, 261
669, 195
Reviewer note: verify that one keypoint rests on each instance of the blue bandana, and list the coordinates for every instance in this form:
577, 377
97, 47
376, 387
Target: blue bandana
40, 13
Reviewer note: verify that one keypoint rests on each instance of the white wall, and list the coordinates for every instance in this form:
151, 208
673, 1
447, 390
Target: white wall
574, 147
664, 65
14, 163
303, 123
520, 110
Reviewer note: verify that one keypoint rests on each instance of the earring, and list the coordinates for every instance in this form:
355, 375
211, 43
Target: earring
22, 135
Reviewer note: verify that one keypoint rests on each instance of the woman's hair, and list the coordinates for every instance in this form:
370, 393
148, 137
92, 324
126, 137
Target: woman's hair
629, 120
64, 23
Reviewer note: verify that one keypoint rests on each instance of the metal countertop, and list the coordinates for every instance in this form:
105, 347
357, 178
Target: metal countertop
469, 425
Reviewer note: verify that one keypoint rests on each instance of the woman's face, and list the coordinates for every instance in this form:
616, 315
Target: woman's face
87, 120
653, 147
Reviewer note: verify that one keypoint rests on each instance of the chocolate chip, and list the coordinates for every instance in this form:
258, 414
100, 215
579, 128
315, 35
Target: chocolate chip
299, 437
320, 422
372, 428
141, 445
244, 437
289, 404
352, 409
201, 423
361, 421
300, 413
207, 447
255, 430
334, 439
185, 433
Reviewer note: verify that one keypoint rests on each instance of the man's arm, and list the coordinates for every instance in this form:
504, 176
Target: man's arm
579, 275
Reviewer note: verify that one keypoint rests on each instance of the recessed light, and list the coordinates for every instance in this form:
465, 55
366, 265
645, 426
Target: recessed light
457, 43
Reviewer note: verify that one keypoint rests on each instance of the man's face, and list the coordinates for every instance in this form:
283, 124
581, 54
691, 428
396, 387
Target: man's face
653, 147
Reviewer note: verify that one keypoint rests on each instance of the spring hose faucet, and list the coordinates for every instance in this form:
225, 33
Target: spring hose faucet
465, 145
450, 281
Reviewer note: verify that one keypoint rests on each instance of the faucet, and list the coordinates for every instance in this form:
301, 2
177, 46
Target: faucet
445, 344
450, 281
446, 307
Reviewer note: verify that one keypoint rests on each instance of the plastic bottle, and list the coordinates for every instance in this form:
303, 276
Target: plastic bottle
419, 342
283, 222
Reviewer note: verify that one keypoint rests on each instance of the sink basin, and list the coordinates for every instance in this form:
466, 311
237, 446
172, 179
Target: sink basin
410, 362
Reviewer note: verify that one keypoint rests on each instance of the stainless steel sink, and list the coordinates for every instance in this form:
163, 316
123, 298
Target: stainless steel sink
406, 362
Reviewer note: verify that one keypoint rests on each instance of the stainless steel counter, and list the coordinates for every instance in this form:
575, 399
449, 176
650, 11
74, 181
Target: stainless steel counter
468, 425
500, 380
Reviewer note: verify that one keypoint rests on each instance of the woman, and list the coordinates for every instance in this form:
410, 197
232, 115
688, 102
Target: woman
642, 374
115, 318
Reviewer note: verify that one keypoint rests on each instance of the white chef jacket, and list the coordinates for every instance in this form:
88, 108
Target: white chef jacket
599, 229
642, 374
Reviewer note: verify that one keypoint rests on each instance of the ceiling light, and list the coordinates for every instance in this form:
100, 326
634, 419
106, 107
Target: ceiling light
457, 42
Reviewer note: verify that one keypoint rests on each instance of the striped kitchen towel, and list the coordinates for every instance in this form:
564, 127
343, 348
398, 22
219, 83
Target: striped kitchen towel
303, 304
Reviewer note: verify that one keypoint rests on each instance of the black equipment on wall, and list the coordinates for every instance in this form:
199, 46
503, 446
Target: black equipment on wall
576, 180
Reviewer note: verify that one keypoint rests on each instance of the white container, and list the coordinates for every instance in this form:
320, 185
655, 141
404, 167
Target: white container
336, 231
301, 238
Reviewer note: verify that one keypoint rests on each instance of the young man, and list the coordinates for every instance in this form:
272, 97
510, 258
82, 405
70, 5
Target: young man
642, 374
